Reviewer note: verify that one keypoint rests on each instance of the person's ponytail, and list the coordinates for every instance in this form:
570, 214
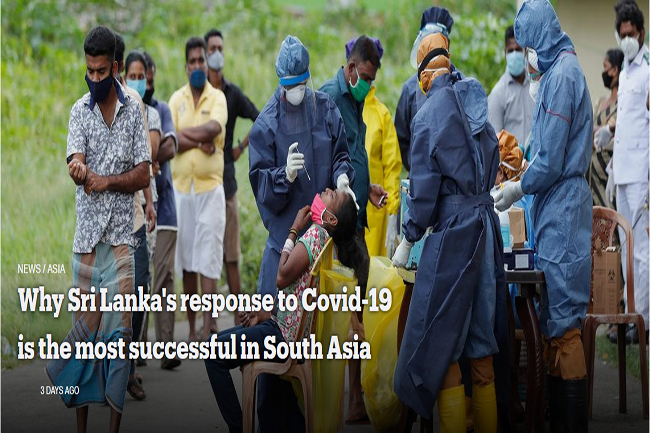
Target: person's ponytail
351, 251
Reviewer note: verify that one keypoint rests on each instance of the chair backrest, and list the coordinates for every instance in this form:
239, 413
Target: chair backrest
323, 261
605, 222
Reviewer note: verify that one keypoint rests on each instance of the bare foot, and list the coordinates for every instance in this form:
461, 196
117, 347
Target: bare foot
193, 337
356, 411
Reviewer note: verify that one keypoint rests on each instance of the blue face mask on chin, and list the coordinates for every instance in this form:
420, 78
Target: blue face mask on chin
515, 62
139, 86
197, 78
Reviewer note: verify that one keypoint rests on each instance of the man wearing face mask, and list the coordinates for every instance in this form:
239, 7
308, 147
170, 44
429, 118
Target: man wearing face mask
509, 105
628, 168
238, 106
385, 165
144, 211
108, 160
434, 20
166, 230
199, 112
298, 148
560, 145
348, 89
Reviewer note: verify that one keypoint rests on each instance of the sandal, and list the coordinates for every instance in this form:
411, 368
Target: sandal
140, 379
135, 390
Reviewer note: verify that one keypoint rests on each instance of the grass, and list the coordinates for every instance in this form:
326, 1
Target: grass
608, 352
42, 68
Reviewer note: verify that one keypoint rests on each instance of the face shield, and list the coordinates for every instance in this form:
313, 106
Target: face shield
427, 30
533, 74
531, 62
297, 104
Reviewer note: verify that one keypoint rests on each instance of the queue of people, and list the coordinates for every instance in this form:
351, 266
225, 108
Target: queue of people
158, 180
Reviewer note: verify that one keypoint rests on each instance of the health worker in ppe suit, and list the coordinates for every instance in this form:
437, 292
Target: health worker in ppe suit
560, 145
298, 148
434, 20
458, 308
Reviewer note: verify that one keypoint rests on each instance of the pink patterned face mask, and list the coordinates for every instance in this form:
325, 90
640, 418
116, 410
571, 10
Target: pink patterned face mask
318, 210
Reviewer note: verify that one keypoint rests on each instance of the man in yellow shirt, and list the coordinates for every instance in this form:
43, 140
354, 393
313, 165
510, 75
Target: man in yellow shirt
385, 165
200, 114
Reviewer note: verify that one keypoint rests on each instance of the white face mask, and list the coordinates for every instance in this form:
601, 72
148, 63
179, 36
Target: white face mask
296, 94
533, 89
630, 47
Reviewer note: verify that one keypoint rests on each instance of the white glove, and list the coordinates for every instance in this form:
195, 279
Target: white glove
343, 183
508, 195
610, 188
402, 253
295, 162
602, 137
391, 235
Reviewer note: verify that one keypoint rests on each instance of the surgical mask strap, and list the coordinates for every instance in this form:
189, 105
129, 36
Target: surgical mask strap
358, 78
506, 165
435, 70
431, 55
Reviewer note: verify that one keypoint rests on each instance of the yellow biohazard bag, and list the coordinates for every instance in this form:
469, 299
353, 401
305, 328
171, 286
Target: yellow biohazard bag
382, 404
328, 375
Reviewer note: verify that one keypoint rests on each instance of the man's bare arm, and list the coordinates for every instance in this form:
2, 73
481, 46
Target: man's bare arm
77, 168
237, 151
204, 133
166, 149
199, 137
185, 143
149, 211
129, 182
154, 137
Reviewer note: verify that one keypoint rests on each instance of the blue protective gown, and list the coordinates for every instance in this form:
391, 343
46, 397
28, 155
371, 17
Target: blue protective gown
324, 144
410, 101
560, 144
459, 297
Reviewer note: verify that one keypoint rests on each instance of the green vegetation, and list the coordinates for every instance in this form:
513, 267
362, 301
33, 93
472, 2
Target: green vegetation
43, 67
608, 352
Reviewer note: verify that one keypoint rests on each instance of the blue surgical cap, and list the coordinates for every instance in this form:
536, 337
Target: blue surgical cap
437, 15
292, 65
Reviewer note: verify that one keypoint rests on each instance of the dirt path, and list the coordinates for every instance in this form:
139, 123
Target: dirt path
182, 399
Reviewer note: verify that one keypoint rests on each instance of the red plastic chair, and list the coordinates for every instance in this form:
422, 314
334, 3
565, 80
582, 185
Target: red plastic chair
605, 222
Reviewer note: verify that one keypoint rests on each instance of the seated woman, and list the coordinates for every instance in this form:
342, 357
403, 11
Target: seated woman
334, 214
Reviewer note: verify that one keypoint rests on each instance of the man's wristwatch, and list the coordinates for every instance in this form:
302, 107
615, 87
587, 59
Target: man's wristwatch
241, 146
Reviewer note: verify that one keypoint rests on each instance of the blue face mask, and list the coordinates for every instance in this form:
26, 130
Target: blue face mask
515, 63
99, 90
197, 78
139, 86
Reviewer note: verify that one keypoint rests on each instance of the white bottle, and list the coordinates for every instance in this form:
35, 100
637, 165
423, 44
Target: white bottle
504, 222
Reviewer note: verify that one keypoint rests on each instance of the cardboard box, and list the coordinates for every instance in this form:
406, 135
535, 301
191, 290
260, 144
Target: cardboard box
606, 282
517, 226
